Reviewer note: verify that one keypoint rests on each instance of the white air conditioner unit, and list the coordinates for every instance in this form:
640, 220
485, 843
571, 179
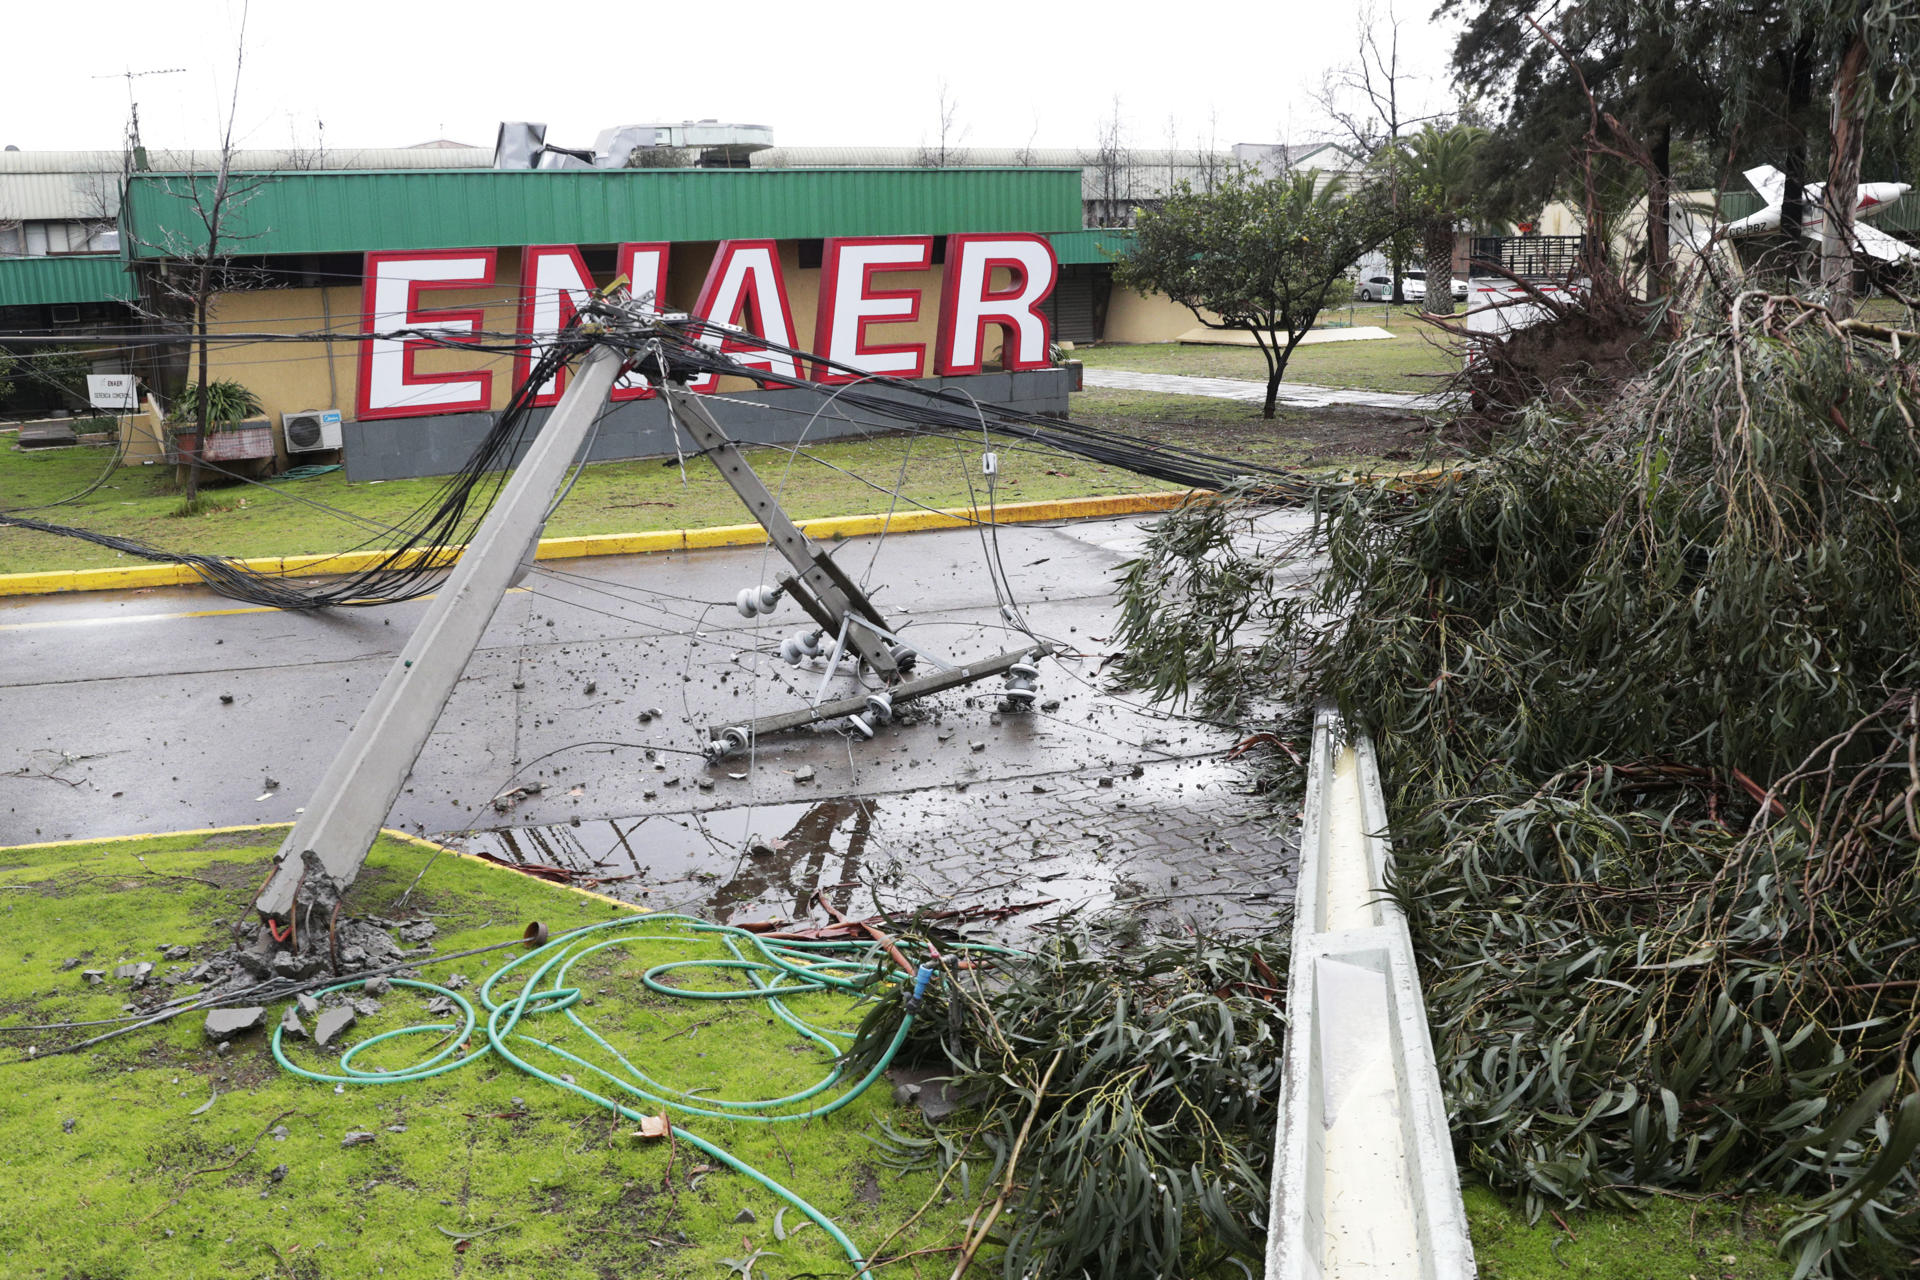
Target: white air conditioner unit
311, 430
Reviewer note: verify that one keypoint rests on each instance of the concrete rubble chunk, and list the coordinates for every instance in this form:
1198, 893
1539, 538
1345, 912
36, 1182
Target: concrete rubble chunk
224, 1024
418, 931
71, 962
331, 1023
308, 1005
278, 1174
378, 986
803, 774
290, 1024
279, 1133
94, 977
176, 952
288, 964
745, 1215
366, 1008
137, 972
356, 1138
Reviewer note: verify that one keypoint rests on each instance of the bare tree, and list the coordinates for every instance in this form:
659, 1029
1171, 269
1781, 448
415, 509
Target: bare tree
949, 132
1025, 155
197, 264
1212, 169
1112, 163
1366, 101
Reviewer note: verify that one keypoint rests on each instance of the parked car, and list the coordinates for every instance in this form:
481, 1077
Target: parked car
1419, 278
1379, 288
1413, 287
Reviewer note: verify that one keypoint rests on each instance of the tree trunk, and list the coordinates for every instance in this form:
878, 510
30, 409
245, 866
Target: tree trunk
1439, 247
1277, 357
1843, 176
200, 400
1659, 217
1794, 166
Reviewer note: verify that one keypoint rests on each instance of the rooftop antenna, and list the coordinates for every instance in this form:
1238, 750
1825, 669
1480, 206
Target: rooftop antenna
138, 152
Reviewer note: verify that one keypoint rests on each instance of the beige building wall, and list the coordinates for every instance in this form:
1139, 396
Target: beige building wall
1146, 317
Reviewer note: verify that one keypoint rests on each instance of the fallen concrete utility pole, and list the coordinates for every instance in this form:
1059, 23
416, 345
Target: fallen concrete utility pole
321, 856
1364, 1182
323, 853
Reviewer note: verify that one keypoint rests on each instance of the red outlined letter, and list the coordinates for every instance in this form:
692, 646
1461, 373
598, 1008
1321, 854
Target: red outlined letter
553, 284
745, 277
390, 299
849, 303
968, 304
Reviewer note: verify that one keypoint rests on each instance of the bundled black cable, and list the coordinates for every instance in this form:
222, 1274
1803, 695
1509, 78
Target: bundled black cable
429, 538
945, 411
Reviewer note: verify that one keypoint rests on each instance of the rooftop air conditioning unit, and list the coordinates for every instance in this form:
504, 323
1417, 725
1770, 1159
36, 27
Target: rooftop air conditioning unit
311, 430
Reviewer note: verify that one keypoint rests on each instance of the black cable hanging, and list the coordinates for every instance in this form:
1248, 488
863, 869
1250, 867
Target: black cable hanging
666, 348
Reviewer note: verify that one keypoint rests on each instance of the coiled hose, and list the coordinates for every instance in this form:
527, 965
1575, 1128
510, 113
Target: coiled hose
774, 970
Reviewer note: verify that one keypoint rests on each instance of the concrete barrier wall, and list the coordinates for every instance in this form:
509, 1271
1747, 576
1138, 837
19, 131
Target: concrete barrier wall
403, 448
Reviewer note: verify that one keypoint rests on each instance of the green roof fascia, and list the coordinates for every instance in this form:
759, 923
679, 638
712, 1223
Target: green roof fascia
349, 212
1101, 244
26, 282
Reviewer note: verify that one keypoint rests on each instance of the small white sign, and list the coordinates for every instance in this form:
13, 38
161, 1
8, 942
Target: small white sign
112, 391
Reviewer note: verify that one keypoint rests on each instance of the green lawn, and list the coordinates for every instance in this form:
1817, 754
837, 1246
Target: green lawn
832, 478
303, 516
115, 1168
1667, 1240
1415, 360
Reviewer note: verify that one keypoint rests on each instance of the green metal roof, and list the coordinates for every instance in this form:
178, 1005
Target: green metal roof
37, 281
345, 212
1102, 244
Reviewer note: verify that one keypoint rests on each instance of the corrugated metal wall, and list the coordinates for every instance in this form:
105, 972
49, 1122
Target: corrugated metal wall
28, 282
318, 212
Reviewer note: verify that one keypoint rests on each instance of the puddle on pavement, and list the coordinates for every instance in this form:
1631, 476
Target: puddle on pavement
1176, 839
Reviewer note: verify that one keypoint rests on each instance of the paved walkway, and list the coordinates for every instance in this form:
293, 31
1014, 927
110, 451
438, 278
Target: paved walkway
1296, 395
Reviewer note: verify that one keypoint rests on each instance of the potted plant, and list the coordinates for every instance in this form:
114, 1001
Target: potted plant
234, 428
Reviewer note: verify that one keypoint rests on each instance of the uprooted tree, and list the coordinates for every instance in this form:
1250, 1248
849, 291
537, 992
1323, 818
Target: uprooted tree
1647, 699
1265, 257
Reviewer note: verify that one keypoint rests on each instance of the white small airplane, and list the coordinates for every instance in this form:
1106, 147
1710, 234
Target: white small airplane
1872, 199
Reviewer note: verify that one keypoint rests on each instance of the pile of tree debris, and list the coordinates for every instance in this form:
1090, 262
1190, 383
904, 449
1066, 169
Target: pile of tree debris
1646, 689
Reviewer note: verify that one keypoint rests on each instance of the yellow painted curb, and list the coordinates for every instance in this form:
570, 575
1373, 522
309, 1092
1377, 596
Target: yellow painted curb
53, 581
402, 836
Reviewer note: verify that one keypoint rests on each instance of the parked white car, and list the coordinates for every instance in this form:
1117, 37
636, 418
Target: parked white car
1413, 287
1418, 280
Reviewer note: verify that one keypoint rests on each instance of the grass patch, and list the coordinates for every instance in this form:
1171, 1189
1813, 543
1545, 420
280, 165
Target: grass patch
126, 1181
1333, 438
1666, 1240
1414, 360
302, 517
326, 514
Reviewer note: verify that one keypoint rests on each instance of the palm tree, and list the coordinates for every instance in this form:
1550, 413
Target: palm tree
1439, 176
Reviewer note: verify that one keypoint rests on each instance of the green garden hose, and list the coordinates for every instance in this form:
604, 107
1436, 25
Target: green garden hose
773, 970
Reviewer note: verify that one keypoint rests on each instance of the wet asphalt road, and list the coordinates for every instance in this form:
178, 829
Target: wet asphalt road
597, 681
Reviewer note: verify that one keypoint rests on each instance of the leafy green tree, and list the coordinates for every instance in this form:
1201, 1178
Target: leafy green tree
1440, 185
1643, 62
1261, 256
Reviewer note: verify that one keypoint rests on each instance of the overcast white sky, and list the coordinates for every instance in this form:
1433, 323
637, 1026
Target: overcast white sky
397, 73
